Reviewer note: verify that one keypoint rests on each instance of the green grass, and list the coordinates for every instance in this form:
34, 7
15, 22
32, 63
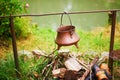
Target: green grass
45, 40
7, 69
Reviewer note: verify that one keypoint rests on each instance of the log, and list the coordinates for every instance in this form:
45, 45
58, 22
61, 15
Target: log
59, 72
72, 64
71, 75
39, 53
94, 61
83, 64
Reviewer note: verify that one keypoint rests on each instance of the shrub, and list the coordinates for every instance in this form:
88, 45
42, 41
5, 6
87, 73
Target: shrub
22, 27
21, 24
10, 7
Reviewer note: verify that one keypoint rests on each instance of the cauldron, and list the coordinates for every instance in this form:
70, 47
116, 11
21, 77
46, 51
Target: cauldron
66, 35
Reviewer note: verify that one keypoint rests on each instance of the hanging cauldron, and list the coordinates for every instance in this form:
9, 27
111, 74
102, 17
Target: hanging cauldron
66, 35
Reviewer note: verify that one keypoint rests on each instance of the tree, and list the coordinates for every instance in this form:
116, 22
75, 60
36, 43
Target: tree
10, 7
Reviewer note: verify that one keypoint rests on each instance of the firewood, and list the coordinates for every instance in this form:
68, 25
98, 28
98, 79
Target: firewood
39, 53
71, 75
72, 64
94, 61
83, 65
100, 74
73, 55
59, 72
104, 66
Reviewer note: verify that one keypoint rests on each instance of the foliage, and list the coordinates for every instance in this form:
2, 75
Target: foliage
22, 27
7, 69
10, 7
21, 24
30, 68
4, 28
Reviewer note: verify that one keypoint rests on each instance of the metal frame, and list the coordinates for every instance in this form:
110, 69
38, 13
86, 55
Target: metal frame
113, 23
14, 45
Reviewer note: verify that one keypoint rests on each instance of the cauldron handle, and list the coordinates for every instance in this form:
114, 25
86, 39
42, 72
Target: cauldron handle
68, 17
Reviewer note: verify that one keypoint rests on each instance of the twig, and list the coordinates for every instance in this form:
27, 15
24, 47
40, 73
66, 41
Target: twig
42, 50
47, 56
47, 67
85, 66
88, 71
47, 73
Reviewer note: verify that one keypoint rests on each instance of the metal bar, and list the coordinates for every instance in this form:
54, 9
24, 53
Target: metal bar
113, 22
14, 47
48, 14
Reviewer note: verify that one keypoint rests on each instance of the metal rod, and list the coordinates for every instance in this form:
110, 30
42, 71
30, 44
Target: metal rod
14, 47
48, 14
113, 22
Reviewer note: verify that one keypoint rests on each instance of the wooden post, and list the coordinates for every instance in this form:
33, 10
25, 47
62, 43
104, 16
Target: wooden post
14, 46
113, 22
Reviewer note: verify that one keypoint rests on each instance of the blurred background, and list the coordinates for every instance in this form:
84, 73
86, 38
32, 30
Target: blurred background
81, 21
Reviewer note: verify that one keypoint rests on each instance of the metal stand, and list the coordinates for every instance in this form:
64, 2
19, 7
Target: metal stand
113, 22
14, 47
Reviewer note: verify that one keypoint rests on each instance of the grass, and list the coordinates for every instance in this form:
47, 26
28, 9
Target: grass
97, 41
45, 40
7, 69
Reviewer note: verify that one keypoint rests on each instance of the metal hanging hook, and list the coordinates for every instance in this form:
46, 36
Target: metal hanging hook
68, 17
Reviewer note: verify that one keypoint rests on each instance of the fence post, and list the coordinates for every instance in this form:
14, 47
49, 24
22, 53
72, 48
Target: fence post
113, 22
14, 46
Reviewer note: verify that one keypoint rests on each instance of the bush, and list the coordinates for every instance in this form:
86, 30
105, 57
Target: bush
10, 7
21, 24
22, 27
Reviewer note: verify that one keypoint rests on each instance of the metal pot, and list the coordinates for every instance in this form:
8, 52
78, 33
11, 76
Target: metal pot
66, 35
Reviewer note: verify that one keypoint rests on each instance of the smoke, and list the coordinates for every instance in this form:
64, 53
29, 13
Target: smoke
68, 6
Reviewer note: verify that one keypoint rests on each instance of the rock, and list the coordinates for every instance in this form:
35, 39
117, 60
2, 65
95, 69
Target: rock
105, 54
25, 53
64, 53
38, 53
